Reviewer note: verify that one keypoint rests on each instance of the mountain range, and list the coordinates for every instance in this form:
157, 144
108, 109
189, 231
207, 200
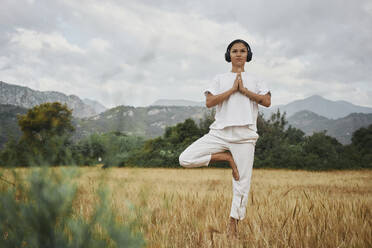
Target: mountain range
342, 128
175, 102
151, 121
148, 122
320, 106
28, 98
313, 114
316, 104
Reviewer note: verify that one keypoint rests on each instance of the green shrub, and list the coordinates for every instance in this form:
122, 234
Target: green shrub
38, 212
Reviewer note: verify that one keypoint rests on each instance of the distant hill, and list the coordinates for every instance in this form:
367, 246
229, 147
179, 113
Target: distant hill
148, 122
9, 122
321, 106
341, 129
151, 121
309, 122
97, 106
316, 104
28, 98
168, 102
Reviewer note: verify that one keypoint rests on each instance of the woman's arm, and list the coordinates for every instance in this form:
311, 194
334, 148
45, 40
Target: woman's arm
213, 100
264, 100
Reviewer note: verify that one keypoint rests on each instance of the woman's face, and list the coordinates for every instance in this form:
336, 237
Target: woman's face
238, 54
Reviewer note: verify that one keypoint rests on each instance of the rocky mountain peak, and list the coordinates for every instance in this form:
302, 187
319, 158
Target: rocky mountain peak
28, 98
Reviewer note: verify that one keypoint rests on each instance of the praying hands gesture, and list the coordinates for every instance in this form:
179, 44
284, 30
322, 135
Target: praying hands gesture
213, 100
264, 100
238, 83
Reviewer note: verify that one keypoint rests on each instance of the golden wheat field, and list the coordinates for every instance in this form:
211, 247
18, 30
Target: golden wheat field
190, 207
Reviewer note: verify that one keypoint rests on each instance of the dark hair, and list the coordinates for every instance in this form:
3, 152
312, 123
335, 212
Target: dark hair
227, 54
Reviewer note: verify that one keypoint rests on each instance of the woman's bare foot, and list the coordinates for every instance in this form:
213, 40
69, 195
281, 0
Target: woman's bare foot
235, 172
233, 228
226, 156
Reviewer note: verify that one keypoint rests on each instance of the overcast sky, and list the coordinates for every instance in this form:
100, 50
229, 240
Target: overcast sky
136, 52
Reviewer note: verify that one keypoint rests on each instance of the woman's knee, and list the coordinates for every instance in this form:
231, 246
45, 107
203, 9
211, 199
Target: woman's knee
184, 159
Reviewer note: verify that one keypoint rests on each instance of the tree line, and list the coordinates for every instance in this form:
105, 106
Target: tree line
47, 139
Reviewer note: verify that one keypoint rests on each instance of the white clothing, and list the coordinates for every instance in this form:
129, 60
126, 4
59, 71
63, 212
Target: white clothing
237, 110
199, 154
236, 134
235, 130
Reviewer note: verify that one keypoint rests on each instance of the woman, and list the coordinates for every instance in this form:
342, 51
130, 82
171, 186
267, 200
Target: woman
233, 134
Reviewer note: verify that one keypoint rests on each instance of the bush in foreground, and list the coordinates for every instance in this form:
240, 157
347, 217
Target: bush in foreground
38, 212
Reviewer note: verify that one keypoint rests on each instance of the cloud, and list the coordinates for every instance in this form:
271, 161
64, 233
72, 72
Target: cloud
121, 52
36, 41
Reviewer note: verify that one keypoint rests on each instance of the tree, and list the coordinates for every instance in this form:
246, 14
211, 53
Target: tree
271, 141
46, 132
164, 151
294, 135
362, 139
118, 147
182, 131
324, 150
281, 147
45, 121
88, 150
361, 147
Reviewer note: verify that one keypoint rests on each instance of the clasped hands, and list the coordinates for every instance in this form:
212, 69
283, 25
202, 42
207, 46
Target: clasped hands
238, 84
264, 100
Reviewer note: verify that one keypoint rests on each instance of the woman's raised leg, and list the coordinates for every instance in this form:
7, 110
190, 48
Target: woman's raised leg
208, 149
200, 152
226, 156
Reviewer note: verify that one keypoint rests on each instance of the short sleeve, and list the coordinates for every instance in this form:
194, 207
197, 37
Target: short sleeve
262, 88
213, 87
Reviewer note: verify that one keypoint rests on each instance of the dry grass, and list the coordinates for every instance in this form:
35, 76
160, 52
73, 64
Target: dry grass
190, 208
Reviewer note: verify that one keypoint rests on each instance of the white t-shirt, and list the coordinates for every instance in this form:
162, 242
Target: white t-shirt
237, 110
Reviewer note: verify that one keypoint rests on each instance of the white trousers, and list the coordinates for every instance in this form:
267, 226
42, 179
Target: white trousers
199, 154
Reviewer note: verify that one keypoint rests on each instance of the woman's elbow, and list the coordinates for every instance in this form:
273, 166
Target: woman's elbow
268, 103
209, 103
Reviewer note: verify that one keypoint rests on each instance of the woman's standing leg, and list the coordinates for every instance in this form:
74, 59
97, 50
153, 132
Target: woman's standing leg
210, 148
243, 155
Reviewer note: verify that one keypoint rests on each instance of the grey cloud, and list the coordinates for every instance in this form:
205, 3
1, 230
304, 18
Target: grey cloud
148, 57
41, 15
110, 74
320, 33
331, 39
